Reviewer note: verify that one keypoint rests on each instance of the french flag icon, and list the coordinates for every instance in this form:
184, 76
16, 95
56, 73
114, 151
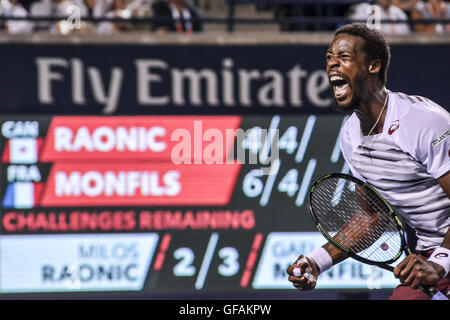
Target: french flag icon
22, 195
22, 150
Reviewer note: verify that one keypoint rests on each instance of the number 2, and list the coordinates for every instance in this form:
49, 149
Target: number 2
184, 268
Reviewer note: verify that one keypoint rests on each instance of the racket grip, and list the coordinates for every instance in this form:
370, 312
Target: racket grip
433, 293
439, 296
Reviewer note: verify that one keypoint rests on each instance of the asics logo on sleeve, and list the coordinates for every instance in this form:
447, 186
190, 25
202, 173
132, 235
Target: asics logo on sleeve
441, 138
441, 255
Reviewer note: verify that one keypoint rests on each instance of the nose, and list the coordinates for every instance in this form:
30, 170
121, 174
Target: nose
332, 62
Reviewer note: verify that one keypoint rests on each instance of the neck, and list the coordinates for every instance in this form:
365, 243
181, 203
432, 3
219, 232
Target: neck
371, 109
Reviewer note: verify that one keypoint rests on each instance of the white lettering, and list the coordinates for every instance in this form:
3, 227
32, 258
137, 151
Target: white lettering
68, 186
271, 94
245, 78
315, 85
46, 76
92, 184
228, 82
194, 78
78, 96
111, 98
23, 173
13, 129
295, 75
106, 139
103, 139
121, 184
144, 80
159, 84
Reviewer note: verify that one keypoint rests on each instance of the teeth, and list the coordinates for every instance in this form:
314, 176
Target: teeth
336, 78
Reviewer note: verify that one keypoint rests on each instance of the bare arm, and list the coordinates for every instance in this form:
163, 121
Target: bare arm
361, 230
336, 254
445, 184
357, 234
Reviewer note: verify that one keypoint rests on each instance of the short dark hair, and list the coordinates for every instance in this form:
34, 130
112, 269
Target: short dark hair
375, 46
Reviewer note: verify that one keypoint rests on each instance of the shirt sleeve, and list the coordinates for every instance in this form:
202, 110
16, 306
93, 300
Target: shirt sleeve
431, 143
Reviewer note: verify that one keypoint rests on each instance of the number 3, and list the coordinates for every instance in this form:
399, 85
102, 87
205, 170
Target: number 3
230, 265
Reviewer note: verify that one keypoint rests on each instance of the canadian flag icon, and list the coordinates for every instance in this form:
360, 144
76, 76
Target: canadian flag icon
22, 150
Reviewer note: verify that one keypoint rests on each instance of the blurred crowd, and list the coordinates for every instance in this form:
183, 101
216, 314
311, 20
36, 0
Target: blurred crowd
406, 13
175, 15
185, 16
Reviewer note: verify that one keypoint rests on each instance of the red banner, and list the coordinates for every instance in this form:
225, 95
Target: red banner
139, 183
196, 139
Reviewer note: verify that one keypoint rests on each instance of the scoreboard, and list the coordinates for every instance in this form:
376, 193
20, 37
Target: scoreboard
165, 204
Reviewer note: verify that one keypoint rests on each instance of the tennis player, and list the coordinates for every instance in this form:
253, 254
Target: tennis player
398, 143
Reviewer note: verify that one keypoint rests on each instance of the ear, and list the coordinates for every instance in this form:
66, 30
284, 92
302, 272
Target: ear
375, 66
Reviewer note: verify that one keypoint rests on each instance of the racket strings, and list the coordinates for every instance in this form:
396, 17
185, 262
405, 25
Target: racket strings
363, 242
376, 229
370, 229
375, 249
364, 231
357, 219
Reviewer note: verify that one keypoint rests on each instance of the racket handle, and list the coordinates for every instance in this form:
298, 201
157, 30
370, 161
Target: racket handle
439, 296
433, 293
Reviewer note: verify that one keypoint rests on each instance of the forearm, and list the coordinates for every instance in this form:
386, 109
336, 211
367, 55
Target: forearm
414, 271
355, 238
440, 256
336, 254
446, 242
326, 256
444, 181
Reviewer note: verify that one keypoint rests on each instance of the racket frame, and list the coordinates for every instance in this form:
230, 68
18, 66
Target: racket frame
382, 264
429, 290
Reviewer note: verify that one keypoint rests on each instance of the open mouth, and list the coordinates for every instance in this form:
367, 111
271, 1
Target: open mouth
340, 87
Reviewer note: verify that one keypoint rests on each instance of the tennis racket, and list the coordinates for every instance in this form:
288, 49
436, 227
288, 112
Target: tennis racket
357, 220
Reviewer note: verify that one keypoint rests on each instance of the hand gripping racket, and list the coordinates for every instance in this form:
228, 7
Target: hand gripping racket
355, 219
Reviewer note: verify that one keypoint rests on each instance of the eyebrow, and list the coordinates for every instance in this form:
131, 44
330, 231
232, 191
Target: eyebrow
340, 51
